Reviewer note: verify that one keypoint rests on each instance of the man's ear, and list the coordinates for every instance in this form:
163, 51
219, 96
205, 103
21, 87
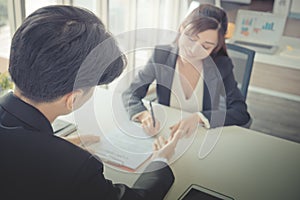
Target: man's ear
181, 28
72, 98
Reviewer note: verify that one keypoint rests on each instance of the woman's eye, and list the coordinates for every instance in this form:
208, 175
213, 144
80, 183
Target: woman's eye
192, 39
205, 47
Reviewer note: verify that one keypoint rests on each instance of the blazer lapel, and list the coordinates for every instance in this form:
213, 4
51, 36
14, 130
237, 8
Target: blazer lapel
210, 100
166, 74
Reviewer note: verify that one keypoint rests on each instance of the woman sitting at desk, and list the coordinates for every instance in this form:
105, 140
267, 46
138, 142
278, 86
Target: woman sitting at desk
191, 75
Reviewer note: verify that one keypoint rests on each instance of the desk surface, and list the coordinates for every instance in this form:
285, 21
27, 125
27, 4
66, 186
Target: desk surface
244, 164
287, 55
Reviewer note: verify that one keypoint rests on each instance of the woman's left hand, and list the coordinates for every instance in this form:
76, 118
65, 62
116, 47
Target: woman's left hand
186, 126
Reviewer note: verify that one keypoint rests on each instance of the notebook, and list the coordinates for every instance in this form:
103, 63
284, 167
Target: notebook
259, 31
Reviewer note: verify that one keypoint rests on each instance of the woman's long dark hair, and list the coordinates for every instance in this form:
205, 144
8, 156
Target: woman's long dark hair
207, 17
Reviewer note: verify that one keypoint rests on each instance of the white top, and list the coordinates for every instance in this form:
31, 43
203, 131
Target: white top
194, 103
178, 99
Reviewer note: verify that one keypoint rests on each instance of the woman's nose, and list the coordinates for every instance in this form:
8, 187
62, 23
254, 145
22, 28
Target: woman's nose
194, 47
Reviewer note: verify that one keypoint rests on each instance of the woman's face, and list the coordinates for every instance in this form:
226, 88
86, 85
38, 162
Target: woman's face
193, 48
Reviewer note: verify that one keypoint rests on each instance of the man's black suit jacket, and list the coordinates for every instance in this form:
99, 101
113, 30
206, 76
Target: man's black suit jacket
35, 164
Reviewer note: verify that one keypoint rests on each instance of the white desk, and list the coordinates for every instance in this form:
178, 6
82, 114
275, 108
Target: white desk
244, 164
278, 74
288, 54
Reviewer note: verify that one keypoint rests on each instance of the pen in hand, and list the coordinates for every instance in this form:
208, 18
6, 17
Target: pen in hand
152, 113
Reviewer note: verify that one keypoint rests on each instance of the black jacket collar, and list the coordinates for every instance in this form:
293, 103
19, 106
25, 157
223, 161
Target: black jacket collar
25, 113
211, 77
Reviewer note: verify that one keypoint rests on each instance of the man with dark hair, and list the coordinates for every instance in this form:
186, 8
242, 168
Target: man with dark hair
58, 55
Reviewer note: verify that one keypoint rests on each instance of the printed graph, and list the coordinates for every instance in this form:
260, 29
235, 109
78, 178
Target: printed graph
247, 22
255, 26
258, 27
268, 26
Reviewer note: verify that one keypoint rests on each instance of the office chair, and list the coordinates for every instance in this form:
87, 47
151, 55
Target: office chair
242, 59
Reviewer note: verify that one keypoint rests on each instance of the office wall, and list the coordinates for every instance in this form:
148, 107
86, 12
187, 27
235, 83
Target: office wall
295, 7
292, 28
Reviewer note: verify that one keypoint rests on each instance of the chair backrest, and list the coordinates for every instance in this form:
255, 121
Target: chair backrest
242, 59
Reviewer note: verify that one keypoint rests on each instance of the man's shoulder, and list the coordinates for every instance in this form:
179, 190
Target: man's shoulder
35, 143
44, 162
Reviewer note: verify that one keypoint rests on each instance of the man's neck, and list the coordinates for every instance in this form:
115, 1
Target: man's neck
47, 109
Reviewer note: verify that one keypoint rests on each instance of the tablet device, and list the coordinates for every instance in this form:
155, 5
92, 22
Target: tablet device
195, 192
63, 128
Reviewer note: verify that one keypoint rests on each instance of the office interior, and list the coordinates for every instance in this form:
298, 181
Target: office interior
274, 89
258, 162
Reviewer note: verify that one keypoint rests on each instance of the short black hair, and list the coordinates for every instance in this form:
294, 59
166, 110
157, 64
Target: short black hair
50, 46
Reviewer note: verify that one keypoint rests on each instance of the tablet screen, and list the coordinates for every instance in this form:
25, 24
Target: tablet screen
195, 192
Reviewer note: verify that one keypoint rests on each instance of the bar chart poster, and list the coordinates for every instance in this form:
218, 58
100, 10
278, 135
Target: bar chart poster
259, 27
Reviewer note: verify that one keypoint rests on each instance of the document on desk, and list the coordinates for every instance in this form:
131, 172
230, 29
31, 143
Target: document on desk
120, 149
134, 129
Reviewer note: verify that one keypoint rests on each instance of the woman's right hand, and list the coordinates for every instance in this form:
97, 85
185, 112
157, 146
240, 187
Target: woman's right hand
147, 123
165, 148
